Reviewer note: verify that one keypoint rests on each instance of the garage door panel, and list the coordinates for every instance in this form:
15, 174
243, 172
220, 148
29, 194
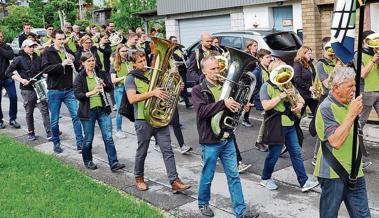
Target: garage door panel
190, 29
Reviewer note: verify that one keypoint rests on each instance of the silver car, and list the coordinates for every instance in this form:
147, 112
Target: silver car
40, 32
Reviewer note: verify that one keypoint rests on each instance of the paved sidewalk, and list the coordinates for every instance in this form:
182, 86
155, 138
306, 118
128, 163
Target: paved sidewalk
287, 201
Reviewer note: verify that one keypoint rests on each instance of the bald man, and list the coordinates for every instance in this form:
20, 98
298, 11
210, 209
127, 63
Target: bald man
205, 47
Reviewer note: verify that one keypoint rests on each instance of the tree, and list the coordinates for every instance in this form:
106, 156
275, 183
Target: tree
123, 11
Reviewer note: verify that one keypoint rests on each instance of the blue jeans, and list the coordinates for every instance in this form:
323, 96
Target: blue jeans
334, 191
105, 123
10, 87
227, 153
294, 149
118, 91
55, 99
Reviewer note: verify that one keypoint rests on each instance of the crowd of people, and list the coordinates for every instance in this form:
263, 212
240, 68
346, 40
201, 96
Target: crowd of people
84, 69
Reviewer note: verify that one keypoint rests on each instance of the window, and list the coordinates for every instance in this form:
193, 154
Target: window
231, 41
283, 41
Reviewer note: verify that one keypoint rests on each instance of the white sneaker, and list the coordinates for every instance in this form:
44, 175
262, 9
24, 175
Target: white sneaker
157, 148
120, 134
243, 167
185, 149
269, 184
309, 184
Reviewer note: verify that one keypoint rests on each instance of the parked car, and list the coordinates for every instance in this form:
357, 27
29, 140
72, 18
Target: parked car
282, 44
40, 32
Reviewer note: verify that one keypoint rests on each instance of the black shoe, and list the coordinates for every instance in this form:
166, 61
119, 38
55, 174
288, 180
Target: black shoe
247, 123
14, 124
90, 165
2, 125
117, 166
206, 210
250, 214
57, 148
261, 147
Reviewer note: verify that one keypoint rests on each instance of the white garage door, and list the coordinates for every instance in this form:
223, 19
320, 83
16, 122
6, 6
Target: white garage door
190, 29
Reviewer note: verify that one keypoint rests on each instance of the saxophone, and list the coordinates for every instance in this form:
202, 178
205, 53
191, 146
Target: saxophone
103, 95
158, 113
238, 84
282, 76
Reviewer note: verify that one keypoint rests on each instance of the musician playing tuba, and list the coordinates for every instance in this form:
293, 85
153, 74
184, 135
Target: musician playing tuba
137, 89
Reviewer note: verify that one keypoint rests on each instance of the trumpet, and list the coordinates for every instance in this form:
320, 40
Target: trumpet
282, 76
372, 41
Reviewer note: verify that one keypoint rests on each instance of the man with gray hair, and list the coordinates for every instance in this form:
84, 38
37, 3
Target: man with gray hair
334, 122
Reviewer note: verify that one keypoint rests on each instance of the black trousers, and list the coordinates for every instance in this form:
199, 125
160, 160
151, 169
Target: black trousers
175, 123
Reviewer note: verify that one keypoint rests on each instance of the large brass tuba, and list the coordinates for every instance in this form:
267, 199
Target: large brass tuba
282, 76
158, 113
372, 41
238, 84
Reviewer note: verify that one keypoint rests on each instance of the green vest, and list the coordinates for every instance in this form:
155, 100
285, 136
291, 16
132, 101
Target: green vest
142, 87
371, 81
343, 155
274, 92
265, 75
94, 100
328, 68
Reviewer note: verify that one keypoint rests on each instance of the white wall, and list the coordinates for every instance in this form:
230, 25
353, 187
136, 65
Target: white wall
172, 28
237, 21
261, 15
374, 9
297, 19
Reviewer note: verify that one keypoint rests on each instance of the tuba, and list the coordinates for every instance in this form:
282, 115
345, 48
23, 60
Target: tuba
372, 41
238, 84
282, 76
158, 113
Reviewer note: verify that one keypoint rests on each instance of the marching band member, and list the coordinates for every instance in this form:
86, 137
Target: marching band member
27, 27
304, 77
58, 64
137, 93
90, 92
86, 45
70, 40
205, 47
6, 54
279, 113
334, 122
28, 65
48, 39
119, 70
203, 98
262, 74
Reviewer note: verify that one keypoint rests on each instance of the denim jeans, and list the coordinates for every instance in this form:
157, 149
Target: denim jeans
10, 87
118, 91
226, 152
334, 191
105, 123
294, 149
55, 100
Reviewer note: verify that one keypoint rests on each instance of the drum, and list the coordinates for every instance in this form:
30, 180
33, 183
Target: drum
40, 87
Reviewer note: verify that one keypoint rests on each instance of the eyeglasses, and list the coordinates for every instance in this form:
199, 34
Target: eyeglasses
87, 42
123, 50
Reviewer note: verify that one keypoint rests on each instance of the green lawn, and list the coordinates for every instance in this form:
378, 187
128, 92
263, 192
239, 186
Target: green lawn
33, 184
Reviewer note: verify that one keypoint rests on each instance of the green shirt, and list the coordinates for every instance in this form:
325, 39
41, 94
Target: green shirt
371, 81
265, 75
329, 117
94, 100
125, 67
101, 56
61, 54
216, 90
71, 45
268, 92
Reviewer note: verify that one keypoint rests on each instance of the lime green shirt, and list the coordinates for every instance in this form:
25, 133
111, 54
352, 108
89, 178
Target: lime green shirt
124, 70
216, 91
133, 83
71, 45
329, 117
371, 81
268, 92
94, 100
265, 75
62, 55
101, 56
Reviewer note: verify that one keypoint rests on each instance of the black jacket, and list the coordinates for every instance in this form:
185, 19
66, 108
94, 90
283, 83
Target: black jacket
6, 54
26, 67
206, 108
194, 69
303, 79
107, 52
78, 55
21, 38
58, 77
81, 88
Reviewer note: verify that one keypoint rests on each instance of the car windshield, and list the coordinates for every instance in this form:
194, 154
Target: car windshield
281, 41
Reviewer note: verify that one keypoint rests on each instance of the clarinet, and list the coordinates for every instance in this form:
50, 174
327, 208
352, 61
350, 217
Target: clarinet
68, 55
100, 81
